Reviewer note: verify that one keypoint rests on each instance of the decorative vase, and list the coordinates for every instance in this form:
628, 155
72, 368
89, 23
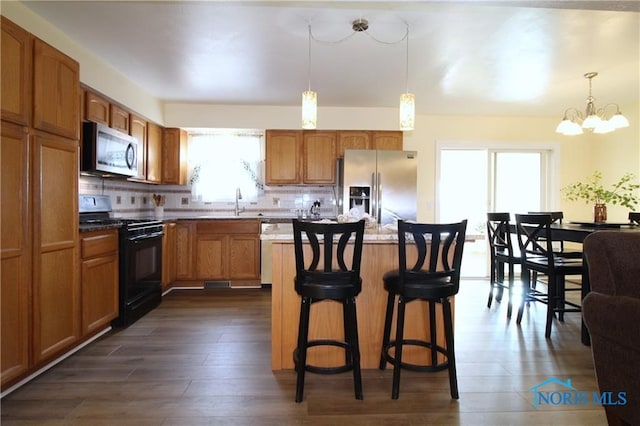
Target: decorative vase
600, 213
158, 212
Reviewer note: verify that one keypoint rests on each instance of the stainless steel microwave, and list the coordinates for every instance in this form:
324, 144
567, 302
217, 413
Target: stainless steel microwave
108, 151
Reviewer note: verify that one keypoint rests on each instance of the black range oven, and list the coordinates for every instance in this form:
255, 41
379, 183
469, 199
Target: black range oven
140, 257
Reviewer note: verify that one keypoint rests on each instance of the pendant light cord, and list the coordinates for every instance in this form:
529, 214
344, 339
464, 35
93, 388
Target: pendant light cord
309, 62
407, 60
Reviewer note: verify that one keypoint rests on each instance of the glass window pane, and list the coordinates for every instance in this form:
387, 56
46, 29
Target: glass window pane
517, 182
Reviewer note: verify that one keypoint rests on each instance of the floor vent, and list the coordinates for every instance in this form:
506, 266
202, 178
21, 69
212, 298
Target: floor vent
217, 284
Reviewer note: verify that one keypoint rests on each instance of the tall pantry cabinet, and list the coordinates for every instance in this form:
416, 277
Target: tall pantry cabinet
39, 211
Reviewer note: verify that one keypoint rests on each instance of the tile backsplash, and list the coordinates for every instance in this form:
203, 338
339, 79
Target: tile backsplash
133, 199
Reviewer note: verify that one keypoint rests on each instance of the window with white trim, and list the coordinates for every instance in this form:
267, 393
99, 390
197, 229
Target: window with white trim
222, 161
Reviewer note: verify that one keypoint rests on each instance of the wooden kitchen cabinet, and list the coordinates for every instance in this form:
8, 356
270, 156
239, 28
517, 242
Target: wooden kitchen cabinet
174, 157
15, 264
283, 156
211, 256
184, 250
119, 118
99, 279
319, 157
218, 250
154, 153
56, 287
228, 250
353, 139
16, 73
377, 139
39, 209
138, 129
169, 252
244, 257
387, 140
96, 108
56, 91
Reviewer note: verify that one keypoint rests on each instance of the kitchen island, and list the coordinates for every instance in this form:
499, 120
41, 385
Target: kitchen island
379, 255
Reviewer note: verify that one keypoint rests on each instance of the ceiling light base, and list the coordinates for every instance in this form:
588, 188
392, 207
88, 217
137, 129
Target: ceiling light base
360, 25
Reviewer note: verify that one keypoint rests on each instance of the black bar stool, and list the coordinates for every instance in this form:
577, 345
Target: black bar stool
328, 270
434, 277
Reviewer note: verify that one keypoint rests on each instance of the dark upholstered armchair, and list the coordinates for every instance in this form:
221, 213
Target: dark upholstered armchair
612, 313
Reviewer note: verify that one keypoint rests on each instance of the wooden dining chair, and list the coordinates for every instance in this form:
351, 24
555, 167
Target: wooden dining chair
502, 253
539, 256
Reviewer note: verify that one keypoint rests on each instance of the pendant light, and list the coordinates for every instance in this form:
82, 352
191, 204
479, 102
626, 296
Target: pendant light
407, 100
309, 99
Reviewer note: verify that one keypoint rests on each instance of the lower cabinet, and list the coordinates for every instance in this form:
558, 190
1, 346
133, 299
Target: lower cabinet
169, 255
219, 250
99, 277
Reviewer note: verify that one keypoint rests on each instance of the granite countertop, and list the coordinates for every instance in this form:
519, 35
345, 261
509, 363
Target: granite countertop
263, 219
284, 233
278, 232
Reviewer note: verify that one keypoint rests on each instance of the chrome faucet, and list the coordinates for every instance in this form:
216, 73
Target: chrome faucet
238, 209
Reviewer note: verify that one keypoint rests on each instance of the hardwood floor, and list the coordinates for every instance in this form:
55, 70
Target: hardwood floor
203, 358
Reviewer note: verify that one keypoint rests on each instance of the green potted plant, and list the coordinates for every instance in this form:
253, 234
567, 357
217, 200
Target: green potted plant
624, 192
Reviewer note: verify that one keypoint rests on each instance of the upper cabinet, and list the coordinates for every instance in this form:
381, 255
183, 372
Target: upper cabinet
16, 73
138, 129
154, 153
387, 140
99, 109
283, 156
353, 139
118, 118
359, 139
174, 157
319, 157
56, 88
295, 157
96, 108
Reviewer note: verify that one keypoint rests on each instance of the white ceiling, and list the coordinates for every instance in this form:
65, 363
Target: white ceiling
465, 57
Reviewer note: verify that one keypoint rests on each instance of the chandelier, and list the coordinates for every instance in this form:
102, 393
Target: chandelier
310, 98
604, 120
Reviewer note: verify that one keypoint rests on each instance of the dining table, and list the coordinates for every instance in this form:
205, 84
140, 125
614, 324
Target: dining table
577, 232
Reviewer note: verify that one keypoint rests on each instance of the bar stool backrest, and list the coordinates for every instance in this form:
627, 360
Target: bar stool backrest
328, 261
439, 251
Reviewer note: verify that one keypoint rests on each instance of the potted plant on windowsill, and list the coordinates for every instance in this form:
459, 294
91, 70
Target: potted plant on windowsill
624, 192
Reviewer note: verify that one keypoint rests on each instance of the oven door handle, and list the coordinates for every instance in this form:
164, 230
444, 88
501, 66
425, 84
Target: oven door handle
140, 238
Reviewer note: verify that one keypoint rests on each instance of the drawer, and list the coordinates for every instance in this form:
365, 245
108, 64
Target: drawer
98, 243
228, 227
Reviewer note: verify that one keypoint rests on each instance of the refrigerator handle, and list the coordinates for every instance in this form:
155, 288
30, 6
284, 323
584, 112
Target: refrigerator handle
374, 195
379, 198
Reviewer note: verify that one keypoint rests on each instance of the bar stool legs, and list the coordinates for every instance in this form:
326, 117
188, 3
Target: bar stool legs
400, 341
350, 345
300, 354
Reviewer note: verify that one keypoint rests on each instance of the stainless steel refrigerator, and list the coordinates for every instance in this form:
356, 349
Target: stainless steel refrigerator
380, 183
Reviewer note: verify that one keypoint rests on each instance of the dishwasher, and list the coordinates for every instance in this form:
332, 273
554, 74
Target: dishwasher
265, 249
